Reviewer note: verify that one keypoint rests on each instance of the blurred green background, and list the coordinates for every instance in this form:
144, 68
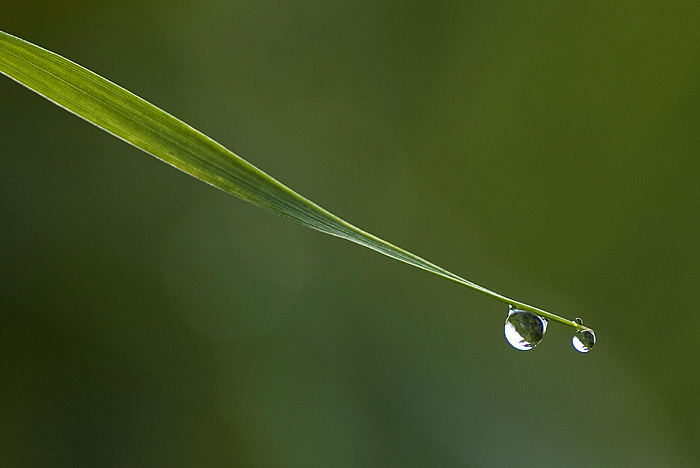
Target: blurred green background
546, 150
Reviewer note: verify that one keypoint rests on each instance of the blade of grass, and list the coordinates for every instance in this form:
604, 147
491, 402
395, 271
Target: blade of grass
156, 132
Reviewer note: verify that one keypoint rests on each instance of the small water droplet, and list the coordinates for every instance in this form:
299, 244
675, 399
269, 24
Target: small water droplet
584, 340
524, 329
578, 320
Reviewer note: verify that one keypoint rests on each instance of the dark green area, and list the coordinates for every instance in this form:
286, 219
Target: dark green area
547, 151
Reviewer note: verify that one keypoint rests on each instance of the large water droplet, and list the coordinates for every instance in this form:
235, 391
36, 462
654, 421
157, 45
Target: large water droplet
524, 329
584, 340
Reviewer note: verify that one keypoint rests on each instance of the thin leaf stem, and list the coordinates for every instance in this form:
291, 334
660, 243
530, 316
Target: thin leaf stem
158, 133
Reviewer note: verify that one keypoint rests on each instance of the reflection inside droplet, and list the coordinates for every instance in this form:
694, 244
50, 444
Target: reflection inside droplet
524, 329
584, 340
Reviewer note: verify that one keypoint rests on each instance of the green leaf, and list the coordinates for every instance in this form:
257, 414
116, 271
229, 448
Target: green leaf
158, 133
